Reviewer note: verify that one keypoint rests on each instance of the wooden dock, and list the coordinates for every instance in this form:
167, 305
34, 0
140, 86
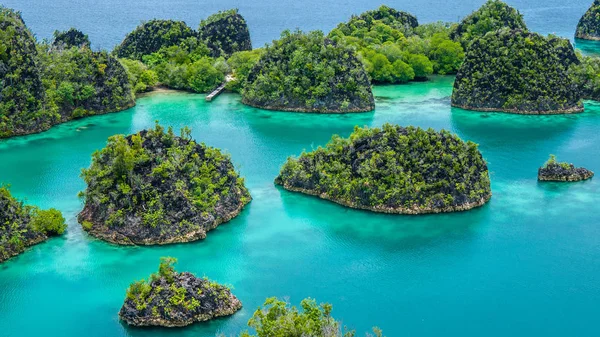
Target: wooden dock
219, 90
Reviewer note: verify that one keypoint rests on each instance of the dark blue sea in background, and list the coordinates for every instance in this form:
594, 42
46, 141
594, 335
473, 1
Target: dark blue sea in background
108, 21
526, 264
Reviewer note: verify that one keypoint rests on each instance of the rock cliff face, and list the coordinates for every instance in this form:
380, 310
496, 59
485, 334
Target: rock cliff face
172, 299
393, 170
21, 90
518, 72
151, 36
588, 27
23, 226
308, 73
555, 171
493, 15
157, 188
225, 33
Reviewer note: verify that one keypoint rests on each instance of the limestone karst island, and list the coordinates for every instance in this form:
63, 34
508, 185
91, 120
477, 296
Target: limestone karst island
299, 169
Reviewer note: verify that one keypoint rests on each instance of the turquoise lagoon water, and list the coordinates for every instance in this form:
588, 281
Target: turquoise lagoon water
526, 264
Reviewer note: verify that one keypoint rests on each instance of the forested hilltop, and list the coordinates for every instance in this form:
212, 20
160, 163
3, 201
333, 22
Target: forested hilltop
155, 187
310, 73
22, 226
520, 72
492, 16
393, 170
49, 83
395, 49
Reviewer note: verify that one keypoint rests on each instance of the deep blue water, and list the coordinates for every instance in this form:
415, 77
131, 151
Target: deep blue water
108, 21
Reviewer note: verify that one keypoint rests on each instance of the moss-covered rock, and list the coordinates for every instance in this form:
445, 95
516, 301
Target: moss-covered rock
493, 15
21, 89
150, 36
393, 170
588, 27
22, 226
80, 82
555, 171
518, 72
308, 73
225, 33
70, 38
398, 20
172, 299
154, 187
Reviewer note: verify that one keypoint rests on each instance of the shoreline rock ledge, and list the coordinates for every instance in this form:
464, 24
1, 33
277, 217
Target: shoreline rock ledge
555, 171
172, 299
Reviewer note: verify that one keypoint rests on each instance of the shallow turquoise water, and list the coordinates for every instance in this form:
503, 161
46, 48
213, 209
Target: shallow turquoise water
526, 264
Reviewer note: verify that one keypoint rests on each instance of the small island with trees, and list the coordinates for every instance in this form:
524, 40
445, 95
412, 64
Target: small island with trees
557, 171
22, 226
155, 188
393, 170
172, 299
519, 72
588, 27
307, 72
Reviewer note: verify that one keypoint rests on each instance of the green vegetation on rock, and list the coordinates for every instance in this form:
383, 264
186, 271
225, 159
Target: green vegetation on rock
151, 36
70, 38
154, 187
80, 82
492, 16
225, 33
588, 27
22, 226
42, 85
587, 76
279, 319
173, 299
519, 72
393, 170
395, 49
309, 73
557, 171
21, 89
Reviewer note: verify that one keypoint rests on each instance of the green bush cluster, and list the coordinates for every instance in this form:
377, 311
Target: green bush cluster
517, 71
241, 64
151, 36
395, 49
140, 77
225, 33
187, 66
588, 27
22, 225
279, 319
493, 15
394, 170
587, 76
70, 38
307, 72
154, 187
